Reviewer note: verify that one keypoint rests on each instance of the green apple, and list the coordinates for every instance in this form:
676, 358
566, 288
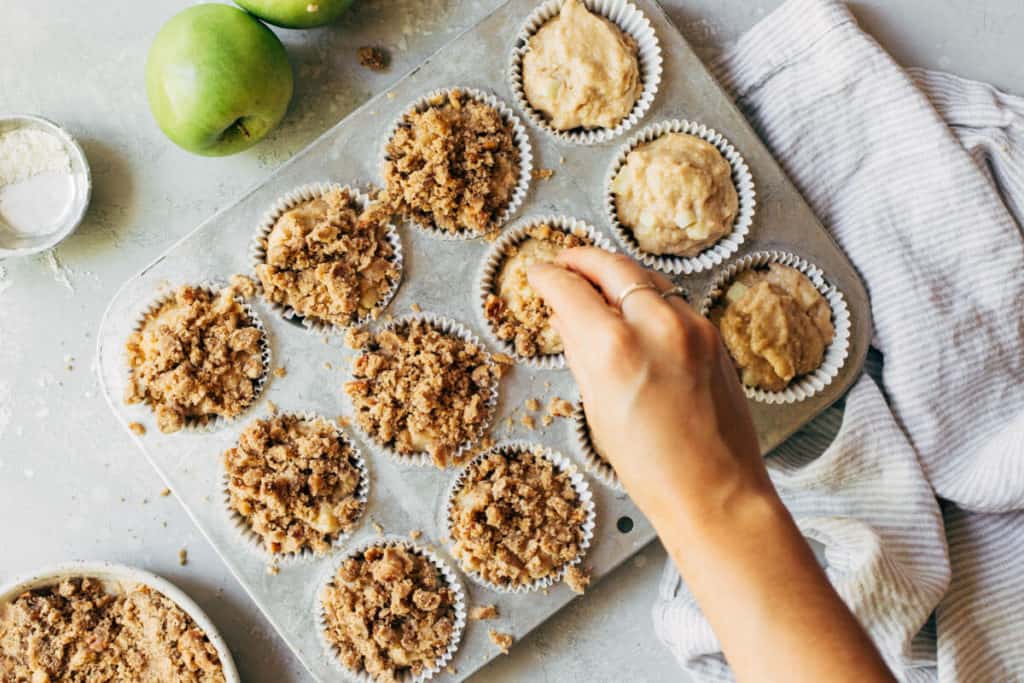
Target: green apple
217, 79
296, 13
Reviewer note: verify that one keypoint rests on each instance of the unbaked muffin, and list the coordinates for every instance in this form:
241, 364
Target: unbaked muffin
581, 71
81, 629
295, 482
515, 311
516, 518
417, 389
195, 357
389, 613
328, 259
676, 195
775, 324
453, 166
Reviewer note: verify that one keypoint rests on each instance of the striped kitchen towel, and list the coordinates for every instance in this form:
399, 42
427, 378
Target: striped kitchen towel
919, 176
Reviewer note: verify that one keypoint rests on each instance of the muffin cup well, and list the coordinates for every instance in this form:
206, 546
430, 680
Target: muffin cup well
362, 495
592, 460
717, 253
451, 328
496, 256
583, 492
835, 355
258, 255
450, 577
630, 21
211, 423
519, 137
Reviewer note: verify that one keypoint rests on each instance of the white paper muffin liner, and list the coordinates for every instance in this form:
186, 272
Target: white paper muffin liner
211, 423
258, 255
495, 258
592, 460
450, 577
451, 328
519, 138
362, 495
583, 492
835, 355
717, 253
629, 20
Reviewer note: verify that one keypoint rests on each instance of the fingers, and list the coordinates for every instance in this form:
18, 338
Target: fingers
613, 274
579, 310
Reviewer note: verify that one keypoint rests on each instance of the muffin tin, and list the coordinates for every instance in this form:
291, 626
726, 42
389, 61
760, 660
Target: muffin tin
441, 277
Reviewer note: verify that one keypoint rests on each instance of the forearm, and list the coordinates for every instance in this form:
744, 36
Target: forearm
757, 582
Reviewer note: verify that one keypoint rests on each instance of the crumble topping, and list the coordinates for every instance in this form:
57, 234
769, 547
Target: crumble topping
775, 324
389, 612
417, 389
577, 579
329, 260
295, 482
515, 311
78, 631
196, 357
516, 519
454, 165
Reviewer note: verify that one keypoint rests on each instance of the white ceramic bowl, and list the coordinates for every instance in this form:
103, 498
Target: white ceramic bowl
119, 573
14, 243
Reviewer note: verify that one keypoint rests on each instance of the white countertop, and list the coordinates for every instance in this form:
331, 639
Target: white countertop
73, 486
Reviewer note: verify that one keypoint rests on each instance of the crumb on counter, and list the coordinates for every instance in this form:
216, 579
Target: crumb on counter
182, 557
415, 534
502, 640
271, 407
483, 612
528, 421
165, 493
374, 58
415, 308
547, 420
543, 173
273, 569
280, 372
137, 428
532, 404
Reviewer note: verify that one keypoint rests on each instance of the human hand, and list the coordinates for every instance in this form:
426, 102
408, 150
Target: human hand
659, 389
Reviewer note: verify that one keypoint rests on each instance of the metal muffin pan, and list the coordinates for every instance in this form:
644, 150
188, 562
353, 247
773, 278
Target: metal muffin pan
441, 277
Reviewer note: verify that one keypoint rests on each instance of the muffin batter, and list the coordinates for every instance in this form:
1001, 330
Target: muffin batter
775, 324
676, 195
581, 71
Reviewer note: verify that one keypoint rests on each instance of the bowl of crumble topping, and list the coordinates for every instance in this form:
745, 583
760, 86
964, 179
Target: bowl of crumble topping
106, 621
